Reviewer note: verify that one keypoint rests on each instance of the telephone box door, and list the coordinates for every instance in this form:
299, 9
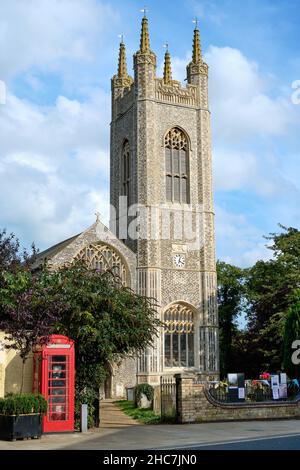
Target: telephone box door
58, 384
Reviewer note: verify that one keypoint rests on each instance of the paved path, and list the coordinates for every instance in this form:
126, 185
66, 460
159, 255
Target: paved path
134, 436
112, 417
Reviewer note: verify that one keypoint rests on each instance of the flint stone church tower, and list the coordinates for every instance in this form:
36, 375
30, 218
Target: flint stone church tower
160, 166
161, 161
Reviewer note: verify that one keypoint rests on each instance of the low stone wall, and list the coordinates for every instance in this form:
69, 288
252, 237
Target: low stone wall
195, 404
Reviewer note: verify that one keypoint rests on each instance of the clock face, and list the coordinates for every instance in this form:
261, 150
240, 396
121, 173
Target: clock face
179, 261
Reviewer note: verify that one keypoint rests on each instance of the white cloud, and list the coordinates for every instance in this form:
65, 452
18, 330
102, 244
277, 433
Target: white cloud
234, 170
241, 100
54, 166
260, 174
238, 241
51, 33
40, 163
241, 97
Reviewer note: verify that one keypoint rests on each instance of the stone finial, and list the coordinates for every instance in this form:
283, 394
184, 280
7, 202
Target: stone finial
197, 54
98, 217
145, 41
122, 66
167, 67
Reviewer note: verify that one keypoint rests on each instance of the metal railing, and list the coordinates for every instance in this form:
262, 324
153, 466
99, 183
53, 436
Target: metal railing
252, 394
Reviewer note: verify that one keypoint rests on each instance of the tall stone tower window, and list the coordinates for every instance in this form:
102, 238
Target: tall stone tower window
179, 336
177, 172
126, 171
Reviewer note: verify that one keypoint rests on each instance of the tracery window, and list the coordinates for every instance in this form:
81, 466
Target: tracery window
126, 171
179, 336
102, 257
177, 173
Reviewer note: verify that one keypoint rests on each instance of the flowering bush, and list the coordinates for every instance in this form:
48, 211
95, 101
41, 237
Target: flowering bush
265, 376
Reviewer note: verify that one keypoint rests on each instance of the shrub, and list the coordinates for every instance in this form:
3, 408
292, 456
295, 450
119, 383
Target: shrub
145, 389
22, 404
88, 396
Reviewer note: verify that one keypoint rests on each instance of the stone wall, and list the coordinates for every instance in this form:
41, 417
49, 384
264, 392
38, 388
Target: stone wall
195, 405
123, 376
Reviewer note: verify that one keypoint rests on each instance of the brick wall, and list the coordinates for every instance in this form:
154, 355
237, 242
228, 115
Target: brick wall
196, 405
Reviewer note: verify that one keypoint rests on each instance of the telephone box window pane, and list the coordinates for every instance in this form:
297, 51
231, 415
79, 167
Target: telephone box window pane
59, 358
58, 371
55, 400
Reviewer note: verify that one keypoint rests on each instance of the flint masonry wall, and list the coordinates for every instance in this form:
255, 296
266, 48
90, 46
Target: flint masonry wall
195, 405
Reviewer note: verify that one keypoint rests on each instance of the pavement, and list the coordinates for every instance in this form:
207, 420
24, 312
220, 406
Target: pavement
270, 443
118, 431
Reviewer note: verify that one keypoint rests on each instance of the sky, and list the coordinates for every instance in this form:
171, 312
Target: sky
56, 60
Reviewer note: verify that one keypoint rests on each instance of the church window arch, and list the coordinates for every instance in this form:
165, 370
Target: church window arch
177, 166
103, 257
179, 336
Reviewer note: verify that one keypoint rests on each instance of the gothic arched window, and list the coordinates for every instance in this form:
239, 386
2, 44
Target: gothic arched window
179, 336
177, 173
103, 258
126, 171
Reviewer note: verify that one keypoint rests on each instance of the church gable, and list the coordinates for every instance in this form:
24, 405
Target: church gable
100, 248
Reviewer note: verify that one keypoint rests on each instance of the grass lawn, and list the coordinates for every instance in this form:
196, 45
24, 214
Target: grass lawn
144, 416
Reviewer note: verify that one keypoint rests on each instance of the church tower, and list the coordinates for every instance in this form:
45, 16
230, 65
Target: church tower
161, 190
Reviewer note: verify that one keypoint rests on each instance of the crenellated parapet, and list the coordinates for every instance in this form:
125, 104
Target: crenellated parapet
175, 93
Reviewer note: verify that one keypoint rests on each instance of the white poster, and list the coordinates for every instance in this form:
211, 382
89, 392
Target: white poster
275, 391
275, 381
283, 391
241, 393
283, 378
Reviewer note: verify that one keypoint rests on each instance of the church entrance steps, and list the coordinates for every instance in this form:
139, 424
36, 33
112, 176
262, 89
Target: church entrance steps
112, 417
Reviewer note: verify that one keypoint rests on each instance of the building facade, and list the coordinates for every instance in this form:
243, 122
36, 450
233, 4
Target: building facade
161, 237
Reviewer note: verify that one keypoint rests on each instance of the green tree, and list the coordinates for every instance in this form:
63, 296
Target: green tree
230, 296
291, 333
106, 320
270, 289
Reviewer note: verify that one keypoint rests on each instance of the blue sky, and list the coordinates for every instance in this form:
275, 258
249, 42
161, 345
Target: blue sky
57, 58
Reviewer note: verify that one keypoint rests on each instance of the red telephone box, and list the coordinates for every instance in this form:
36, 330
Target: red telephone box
54, 370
